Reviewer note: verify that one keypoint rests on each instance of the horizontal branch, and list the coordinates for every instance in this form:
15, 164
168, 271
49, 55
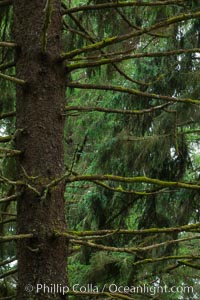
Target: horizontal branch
117, 39
139, 179
10, 238
7, 44
184, 228
9, 114
122, 89
115, 111
122, 4
13, 79
5, 3
104, 61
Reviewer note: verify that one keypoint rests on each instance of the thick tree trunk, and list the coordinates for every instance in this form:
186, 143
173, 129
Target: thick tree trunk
40, 125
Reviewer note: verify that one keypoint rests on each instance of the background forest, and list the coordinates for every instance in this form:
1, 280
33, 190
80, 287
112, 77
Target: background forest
132, 112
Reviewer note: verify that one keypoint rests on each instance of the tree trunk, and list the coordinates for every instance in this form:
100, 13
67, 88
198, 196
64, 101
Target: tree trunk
40, 125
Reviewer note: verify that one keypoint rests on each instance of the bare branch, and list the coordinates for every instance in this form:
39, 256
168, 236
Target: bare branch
122, 89
115, 111
19, 183
129, 250
13, 79
16, 237
9, 152
120, 189
8, 44
100, 62
122, 4
184, 228
139, 179
9, 198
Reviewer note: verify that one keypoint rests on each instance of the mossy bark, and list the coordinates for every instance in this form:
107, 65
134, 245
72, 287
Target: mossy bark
40, 106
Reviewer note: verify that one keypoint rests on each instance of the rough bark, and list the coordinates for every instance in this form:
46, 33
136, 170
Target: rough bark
40, 125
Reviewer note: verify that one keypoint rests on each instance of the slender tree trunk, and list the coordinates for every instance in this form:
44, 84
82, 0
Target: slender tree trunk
40, 125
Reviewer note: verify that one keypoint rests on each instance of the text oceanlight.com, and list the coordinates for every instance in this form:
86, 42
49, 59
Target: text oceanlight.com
109, 288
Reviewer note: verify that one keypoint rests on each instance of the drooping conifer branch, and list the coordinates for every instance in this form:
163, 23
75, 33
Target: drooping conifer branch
117, 39
122, 89
109, 5
13, 79
104, 61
